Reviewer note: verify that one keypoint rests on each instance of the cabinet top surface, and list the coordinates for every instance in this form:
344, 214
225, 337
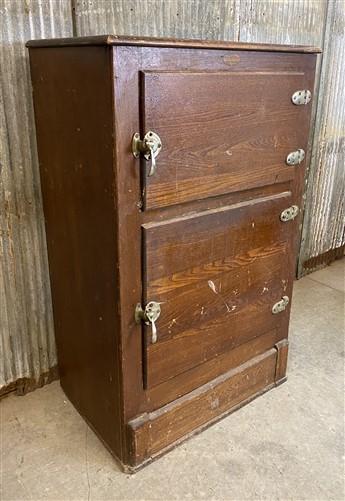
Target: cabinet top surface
168, 42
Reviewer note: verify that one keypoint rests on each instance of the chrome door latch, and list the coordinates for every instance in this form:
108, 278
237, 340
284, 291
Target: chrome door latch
301, 97
289, 214
149, 147
281, 305
295, 157
149, 315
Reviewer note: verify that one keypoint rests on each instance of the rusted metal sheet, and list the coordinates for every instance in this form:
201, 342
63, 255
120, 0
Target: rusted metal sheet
26, 338
324, 221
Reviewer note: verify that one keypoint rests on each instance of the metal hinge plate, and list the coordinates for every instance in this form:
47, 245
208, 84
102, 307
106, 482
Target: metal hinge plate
281, 305
295, 157
289, 214
301, 97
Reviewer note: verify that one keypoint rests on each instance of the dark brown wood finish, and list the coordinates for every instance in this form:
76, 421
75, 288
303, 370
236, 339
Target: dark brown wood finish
217, 275
128, 84
168, 42
221, 131
282, 353
202, 236
193, 378
73, 101
151, 433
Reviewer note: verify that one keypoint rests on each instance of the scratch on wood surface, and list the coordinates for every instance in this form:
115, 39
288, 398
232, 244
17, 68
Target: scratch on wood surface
214, 403
173, 322
213, 288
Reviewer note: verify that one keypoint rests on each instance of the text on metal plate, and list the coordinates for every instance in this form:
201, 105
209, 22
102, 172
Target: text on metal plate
301, 97
150, 147
289, 214
295, 157
281, 305
149, 315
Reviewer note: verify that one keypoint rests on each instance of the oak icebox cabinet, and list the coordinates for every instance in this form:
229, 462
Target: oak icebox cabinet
172, 174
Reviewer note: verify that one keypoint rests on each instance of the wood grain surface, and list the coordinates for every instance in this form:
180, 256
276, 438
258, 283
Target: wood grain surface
220, 131
185, 382
152, 433
217, 276
75, 144
168, 42
203, 236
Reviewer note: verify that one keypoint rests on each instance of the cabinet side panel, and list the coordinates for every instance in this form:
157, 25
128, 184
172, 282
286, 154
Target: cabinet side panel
74, 120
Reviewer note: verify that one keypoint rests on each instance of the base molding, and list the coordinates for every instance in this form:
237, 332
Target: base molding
282, 348
152, 434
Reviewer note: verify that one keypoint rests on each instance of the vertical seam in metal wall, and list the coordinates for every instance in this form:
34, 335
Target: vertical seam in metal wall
239, 21
73, 15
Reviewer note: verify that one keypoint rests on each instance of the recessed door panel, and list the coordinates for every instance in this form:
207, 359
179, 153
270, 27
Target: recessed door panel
216, 275
220, 131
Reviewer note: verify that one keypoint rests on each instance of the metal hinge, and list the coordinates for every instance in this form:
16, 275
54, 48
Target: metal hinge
281, 305
149, 315
289, 214
301, 97
295, 157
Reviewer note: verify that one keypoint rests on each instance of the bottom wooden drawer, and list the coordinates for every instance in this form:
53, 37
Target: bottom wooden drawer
152, 433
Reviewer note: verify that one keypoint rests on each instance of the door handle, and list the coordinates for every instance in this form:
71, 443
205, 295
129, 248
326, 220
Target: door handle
149, 147
149, 315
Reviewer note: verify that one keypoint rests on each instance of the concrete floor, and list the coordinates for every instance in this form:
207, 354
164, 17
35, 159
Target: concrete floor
287, 444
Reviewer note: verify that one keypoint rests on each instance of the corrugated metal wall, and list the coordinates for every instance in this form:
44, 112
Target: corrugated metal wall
216, 19
27, 340
324, 220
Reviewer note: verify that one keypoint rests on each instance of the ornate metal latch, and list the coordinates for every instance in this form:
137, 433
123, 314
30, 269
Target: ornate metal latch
289, 214
149, 315
295, 157
150, 147
281, 305
301, 97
